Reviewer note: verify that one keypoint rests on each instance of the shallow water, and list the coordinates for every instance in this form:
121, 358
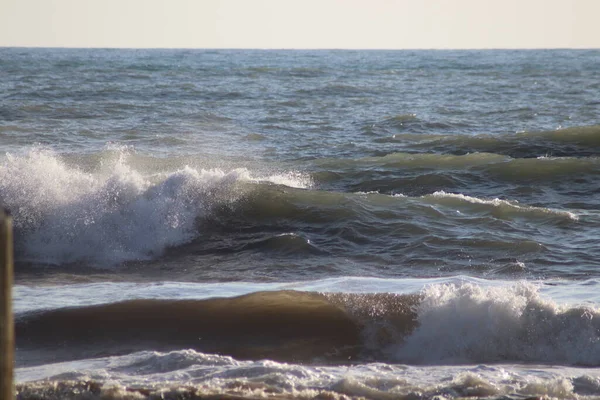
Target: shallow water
379, 224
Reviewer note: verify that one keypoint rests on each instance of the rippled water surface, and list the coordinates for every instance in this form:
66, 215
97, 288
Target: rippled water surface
296, 223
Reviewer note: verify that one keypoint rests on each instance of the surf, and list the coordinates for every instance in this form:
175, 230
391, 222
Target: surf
448, 323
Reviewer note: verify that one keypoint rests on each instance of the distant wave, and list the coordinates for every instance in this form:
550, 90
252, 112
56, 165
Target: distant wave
444, 324
421, 173
496, 165
569, 142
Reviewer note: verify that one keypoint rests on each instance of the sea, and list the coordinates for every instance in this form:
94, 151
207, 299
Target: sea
299, 224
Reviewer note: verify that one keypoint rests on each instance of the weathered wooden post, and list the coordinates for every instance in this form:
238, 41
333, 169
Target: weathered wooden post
7, 335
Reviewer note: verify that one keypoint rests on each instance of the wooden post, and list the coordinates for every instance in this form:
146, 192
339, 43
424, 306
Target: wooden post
7, 334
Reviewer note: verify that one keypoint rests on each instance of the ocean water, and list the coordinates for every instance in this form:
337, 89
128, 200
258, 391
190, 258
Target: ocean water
303, 224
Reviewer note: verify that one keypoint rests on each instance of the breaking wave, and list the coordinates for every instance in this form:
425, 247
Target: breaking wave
63, 214
458, 323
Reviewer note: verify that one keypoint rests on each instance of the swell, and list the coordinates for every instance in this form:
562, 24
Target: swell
435, 232
422, 173
496, 165
583, 141
268, 203
284, 325
443, 324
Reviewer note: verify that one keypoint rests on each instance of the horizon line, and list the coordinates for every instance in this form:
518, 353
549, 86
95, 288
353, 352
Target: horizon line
299, 48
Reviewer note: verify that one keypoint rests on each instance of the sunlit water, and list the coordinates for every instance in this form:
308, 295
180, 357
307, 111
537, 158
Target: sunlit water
439, 207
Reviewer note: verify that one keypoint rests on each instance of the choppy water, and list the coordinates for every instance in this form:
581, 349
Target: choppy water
379, 224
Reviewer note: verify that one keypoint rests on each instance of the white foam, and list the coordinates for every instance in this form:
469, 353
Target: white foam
180, 371
469, 323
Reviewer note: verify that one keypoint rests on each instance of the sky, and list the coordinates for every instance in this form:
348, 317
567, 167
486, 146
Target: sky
301, 24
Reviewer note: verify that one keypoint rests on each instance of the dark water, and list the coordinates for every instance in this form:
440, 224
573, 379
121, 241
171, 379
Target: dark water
358, 223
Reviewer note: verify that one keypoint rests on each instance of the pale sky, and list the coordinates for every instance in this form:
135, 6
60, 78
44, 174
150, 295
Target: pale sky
293, 24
